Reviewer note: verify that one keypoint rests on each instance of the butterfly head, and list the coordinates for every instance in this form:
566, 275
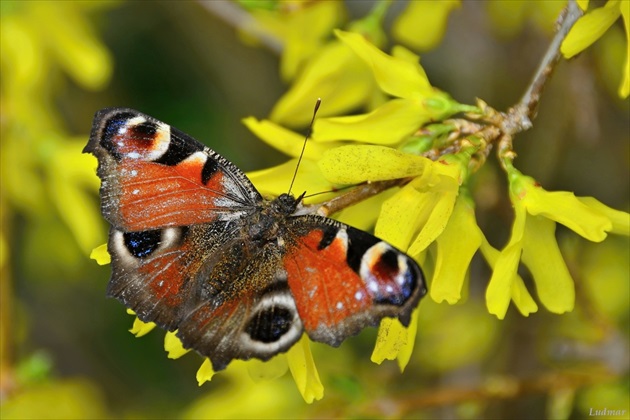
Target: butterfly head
287, 204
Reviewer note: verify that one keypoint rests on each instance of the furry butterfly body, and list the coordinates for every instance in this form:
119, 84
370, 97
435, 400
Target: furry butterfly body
196, 248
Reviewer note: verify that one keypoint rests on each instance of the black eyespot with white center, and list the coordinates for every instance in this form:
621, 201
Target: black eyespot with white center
142, 244
130, 248
274, 324
270, 324
389, 275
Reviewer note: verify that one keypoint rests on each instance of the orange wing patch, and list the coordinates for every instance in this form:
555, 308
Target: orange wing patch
155, 195
326, 290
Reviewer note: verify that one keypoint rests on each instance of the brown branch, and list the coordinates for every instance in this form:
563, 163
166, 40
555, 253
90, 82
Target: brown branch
499, 388
358, 194
519, 118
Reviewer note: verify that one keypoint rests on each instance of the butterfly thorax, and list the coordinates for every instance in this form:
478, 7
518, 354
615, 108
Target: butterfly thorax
266, 225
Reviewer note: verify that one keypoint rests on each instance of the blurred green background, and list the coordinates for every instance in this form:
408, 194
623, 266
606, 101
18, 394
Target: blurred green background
66, 351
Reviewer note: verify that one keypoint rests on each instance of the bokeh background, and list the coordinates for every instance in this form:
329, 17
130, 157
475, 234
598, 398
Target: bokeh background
66, 350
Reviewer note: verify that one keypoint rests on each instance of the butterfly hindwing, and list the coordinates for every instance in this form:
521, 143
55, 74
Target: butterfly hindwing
344, 279
245, 310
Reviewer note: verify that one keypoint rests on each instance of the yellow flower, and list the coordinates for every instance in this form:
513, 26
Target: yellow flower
140, 328
304, 371
508, 18
455, 247
173, 345
286, 141
590, 27
301, 27
332, 72
100, 255
421, 210
432, 15
359, 163
533, 241
394, 341
399, 75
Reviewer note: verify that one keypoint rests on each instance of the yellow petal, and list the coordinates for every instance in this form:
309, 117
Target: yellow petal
337, 76
141, 328
73, 202
443, 197
358, 163
100, 255
395, 341
583, 4
423, 23
74, 44
499, 291
520, 296
395, 76
276, 180
269, 370
388, 124
363, 215
620, 219
306, 29
173, 345
396, 223
561, 206
589, 28
455, 248
543, 258
284, 140
565, 208
304, 371
205, 372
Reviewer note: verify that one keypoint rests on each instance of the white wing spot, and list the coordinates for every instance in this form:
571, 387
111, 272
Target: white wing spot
358, 295
339, 305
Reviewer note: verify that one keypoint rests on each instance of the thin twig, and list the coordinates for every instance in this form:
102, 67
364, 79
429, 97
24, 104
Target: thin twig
358, 194
520, 117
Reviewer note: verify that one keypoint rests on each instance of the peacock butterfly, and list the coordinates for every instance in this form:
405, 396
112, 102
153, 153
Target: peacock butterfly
197, 249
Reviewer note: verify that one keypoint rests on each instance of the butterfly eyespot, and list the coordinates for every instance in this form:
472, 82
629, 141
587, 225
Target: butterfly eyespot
270, 324
387, 275
274, 324
144, 131
132, 247
142, 244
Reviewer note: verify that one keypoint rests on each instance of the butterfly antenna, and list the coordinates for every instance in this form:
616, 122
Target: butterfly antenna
308, 134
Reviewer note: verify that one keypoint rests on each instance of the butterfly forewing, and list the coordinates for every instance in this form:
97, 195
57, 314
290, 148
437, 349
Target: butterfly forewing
155, 176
